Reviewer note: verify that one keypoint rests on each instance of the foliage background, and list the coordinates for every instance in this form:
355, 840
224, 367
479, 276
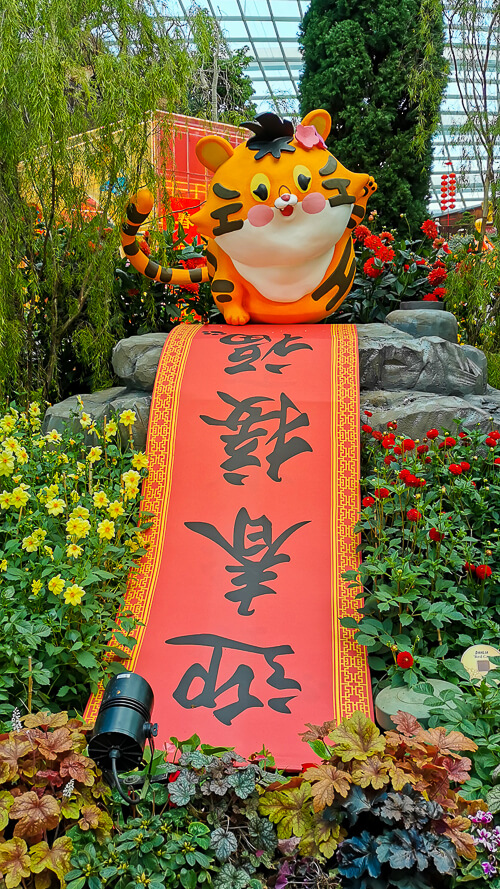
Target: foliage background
358, 58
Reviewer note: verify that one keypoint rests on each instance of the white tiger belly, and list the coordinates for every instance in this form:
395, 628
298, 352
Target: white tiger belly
282, 284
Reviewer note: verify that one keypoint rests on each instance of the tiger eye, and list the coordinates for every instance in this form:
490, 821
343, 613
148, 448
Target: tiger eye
261, 192
303, 181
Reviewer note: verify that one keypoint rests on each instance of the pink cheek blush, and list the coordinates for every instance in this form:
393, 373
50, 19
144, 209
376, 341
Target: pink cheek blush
313, 203
260, 215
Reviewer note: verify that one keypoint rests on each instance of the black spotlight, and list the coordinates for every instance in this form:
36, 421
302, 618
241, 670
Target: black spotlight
123, 725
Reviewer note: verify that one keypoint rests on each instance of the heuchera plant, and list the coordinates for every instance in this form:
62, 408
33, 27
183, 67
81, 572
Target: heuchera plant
383, 807
47, 785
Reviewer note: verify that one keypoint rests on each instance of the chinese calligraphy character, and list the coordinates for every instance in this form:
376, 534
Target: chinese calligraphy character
248, 347
244, 433
241, 679
254, 550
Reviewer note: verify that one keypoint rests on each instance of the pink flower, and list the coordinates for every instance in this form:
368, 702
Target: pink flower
308, 137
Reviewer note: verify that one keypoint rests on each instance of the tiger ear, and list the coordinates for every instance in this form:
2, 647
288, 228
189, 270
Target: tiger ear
319, 119
212, 151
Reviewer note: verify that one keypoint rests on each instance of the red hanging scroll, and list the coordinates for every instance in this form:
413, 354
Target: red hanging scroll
254, 480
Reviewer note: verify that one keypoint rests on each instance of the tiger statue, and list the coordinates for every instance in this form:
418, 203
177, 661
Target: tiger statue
278, 224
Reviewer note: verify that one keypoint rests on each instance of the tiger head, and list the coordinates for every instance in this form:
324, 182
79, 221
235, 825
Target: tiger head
280, 199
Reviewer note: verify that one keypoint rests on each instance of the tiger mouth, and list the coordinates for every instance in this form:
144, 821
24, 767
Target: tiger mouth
286, 211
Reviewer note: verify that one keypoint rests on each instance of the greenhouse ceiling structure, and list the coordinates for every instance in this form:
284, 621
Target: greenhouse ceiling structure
269, 28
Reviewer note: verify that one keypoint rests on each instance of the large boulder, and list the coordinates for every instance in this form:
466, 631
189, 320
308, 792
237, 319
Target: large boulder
135, 360
416, 412
423, 322
106, 403
392, 360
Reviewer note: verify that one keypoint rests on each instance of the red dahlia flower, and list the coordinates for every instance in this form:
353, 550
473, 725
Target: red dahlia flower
432, 433
429, 229
392, 424
372, 242
437, 276
378, 435
413, 515
405, 660
483, 571
381, 493
371, 269
398, 450
455, 468
408, 444
497, 461
366, 428
368, 501
368, 413
491, 442
422, 449
465, 466
388, 459
430, 298
436, 535
361, 232
439, 292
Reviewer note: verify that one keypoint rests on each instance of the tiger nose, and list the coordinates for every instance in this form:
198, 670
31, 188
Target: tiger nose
285, 200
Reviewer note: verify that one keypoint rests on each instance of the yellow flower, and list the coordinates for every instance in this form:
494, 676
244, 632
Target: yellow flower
85, 420
19, 497
73, 551
131, 478
106, 529
49, 551
80, 466
6, 463
29, 544
100, 499
34, 409
8, 423
5, 500
94, 454
22, 456
53, 435
77, 527
40, 442
140, 461
130, 493
74, 594
56, 584
39, 534
127, 418
36, 586
55, 507
79, 512
115, 509
3, 565
110, 430
52, 491
62, 458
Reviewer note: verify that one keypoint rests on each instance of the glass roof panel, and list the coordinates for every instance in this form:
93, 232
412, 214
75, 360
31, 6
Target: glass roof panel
269, 28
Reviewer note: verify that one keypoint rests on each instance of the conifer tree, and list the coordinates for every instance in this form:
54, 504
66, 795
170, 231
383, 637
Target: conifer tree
359, 60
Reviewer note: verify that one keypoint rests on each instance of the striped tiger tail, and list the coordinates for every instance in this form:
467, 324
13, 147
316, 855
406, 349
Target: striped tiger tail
137, 212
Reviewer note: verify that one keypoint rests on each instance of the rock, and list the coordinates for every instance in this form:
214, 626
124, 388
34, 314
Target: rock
489, 402
135, 360
422, 322
416, 412
393, 360
102, 404
476, 356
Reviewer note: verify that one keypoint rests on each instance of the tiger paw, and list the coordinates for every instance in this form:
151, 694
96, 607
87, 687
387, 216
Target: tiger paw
371, 185
236, 315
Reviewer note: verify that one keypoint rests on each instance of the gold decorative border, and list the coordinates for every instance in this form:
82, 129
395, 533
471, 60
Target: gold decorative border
160, 450
351, 676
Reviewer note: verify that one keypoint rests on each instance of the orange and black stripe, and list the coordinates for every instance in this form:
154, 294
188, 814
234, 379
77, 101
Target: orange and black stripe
137, 212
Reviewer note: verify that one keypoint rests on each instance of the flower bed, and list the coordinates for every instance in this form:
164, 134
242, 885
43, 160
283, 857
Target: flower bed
69, 536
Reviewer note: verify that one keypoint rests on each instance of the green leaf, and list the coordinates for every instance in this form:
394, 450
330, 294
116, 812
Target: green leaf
493, 799
224, 843
86, 659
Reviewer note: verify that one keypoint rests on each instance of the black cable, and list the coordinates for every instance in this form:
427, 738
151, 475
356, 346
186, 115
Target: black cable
114, 755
